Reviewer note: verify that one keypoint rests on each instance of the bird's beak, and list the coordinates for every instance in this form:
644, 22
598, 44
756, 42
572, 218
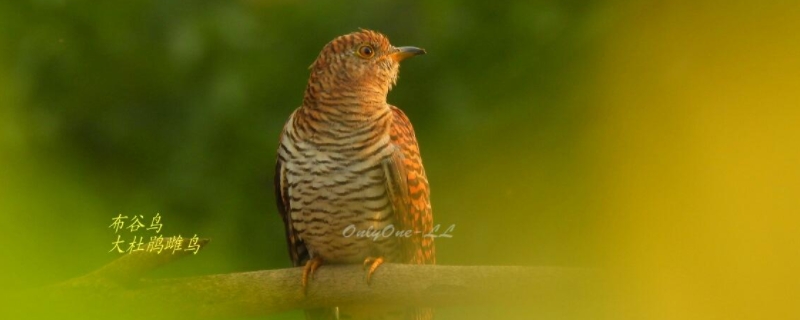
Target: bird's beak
402, 53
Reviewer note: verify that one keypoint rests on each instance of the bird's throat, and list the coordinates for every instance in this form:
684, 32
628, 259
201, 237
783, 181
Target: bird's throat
343, 116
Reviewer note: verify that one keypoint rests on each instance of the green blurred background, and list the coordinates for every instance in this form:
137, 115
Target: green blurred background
657, 140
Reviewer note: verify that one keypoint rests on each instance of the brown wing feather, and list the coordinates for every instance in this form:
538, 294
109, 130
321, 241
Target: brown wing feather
408, 187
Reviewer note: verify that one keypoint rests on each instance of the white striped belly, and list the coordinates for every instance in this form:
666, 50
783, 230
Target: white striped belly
330, 204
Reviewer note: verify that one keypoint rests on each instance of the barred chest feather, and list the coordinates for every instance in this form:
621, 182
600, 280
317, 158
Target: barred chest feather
337, 185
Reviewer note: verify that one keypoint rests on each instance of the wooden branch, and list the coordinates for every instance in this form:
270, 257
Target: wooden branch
106, 292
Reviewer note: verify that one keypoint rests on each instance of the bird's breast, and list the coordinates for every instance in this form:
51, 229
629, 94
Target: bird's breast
336, 191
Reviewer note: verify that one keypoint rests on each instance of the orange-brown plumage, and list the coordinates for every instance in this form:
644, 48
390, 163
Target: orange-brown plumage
349, 159
416, 201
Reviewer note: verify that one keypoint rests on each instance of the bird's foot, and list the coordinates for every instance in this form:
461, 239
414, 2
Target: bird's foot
370, 265
309, 270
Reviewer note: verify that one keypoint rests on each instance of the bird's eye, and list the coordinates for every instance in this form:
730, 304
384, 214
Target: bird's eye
366, 51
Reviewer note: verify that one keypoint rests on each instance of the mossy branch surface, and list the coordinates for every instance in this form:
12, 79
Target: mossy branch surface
122, 290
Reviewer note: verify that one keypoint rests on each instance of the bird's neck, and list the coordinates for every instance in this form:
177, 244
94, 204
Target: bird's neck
341, 110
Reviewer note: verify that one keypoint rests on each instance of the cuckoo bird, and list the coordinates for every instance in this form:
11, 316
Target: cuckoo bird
348, 160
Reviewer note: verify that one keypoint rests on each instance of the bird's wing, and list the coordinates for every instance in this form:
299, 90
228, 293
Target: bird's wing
297, 248
408, 189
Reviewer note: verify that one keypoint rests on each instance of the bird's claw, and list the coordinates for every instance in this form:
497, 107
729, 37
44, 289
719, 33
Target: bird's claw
370, 265
309, 271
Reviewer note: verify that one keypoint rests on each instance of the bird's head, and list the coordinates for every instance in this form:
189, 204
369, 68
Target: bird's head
363, 62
